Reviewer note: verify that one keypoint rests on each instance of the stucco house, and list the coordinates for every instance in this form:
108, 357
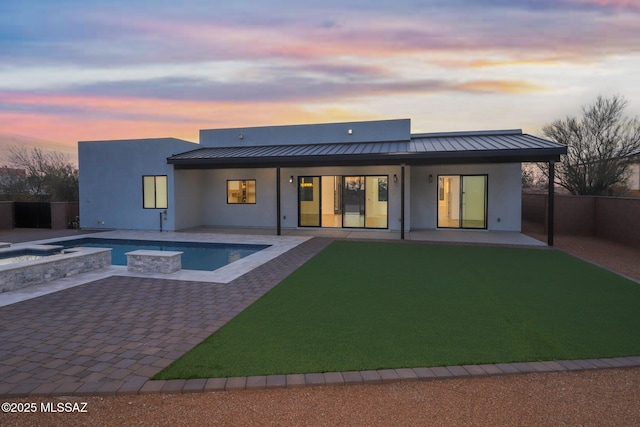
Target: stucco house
633, 180
362, 175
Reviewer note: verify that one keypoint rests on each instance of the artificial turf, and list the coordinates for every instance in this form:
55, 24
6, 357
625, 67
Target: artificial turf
369, 305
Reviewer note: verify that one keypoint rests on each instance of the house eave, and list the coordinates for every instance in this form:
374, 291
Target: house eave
427, 158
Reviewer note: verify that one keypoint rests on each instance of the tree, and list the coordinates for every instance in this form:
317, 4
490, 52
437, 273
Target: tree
48, 174
13, 183
600, 147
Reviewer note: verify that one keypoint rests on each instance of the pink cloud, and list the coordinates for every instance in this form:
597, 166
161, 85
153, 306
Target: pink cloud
533, 34
66, 129
622, 4
499, 86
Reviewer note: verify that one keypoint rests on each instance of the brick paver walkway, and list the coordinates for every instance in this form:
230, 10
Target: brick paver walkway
113, 334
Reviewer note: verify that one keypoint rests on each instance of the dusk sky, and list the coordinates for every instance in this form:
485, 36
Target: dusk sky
75, 70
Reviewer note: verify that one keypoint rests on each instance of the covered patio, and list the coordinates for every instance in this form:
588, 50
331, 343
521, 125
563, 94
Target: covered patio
402, 186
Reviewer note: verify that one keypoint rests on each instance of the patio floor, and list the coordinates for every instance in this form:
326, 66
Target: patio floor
440, 236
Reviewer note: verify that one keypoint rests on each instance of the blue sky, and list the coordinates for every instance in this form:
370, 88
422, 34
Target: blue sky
86, 70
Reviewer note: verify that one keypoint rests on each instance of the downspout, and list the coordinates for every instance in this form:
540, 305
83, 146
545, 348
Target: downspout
278, 213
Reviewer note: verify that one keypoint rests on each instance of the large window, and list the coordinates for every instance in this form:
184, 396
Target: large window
241, 191
154, 191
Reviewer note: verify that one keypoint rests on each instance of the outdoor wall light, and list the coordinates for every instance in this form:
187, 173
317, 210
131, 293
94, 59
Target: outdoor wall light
350, 131
430, 178
240, 136
291, 179
395, 178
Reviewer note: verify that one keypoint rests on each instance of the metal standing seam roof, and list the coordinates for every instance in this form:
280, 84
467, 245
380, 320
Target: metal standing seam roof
478, 147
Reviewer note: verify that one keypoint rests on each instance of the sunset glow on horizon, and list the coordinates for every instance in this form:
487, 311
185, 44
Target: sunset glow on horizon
74, 70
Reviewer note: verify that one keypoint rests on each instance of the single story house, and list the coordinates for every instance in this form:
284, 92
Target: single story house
362, 175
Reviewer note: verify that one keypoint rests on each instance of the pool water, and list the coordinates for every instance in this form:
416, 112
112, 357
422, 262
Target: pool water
196, 256
14, 256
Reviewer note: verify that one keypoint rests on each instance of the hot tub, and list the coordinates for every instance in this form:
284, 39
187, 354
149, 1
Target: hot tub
35, 264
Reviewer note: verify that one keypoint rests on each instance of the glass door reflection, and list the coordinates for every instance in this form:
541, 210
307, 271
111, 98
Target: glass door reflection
353, 201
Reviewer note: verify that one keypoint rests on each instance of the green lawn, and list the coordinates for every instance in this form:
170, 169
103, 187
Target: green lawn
367, 305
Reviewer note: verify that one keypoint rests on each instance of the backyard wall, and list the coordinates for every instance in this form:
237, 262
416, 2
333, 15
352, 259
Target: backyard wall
6, 215
611, 218
63, 213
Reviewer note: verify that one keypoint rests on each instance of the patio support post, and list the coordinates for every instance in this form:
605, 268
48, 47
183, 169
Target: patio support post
550, 207
278, 223
402, 201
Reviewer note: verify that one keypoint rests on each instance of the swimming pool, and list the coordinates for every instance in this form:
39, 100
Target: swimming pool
196, 256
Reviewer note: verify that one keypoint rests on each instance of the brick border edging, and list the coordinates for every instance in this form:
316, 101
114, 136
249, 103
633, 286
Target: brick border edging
381, 376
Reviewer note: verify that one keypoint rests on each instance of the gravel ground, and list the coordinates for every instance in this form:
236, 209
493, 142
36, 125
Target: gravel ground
614, 256
607, 397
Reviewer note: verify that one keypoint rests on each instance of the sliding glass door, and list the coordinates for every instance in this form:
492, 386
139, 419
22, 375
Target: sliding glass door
353, 199
343, 201
376, 204
462, 201
474, 201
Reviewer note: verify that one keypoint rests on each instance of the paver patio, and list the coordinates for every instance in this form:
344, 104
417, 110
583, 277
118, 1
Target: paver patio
114, 334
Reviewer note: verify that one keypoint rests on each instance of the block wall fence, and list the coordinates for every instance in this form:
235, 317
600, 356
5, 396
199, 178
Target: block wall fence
611, 218
62, 213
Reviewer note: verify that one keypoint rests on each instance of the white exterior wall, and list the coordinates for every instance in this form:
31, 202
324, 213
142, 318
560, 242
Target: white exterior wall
347, 132
504, 186
111, 182
217, 212
111, 190
189, 198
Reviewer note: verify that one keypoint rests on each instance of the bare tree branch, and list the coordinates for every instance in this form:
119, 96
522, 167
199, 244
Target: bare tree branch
47, 173
600, 147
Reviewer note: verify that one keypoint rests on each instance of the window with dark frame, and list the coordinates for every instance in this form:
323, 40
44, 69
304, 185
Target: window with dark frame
242, 191
154, 192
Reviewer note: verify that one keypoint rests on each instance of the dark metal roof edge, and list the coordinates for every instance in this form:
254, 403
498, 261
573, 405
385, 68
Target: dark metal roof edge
519, 155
